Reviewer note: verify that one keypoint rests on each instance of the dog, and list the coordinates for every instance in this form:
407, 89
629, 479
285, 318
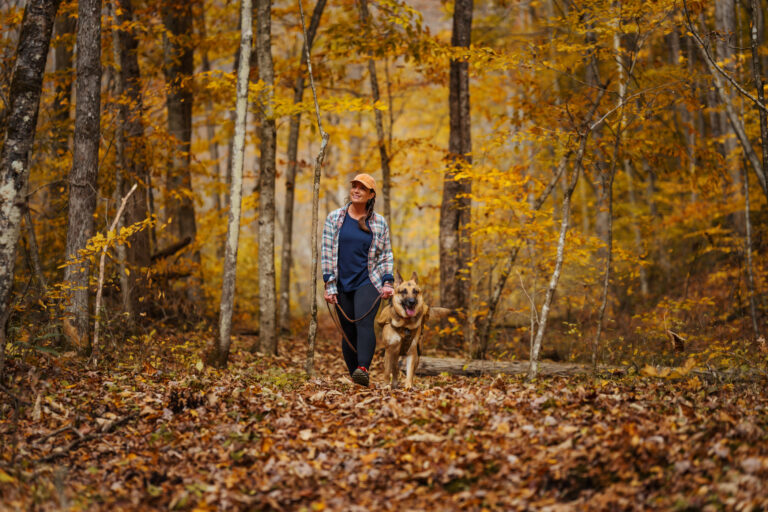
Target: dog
402, 326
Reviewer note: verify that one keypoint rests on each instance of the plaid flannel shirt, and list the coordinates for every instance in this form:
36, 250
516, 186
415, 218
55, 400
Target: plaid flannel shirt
380, 259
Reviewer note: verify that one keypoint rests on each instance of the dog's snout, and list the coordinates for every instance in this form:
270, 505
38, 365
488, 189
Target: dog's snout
410, 302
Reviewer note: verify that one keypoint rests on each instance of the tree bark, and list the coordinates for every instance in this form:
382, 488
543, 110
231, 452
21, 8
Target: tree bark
267, 292
455, 209
383, 153
236, 186
312, 333
134, 159
179, 66
286, 258
85, 166
23, 106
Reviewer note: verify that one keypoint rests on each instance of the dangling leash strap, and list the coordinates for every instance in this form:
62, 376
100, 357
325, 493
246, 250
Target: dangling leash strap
337, 322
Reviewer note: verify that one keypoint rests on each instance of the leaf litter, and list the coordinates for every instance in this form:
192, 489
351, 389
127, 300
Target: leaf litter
153, 429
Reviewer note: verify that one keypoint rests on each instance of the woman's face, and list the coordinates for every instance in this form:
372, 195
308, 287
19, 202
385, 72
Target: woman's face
359, 193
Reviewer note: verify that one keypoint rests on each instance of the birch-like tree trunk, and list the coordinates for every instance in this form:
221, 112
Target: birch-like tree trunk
236, 187
482, 333
23, 106
267, 164
85, 166
311, 335
564, 224
286, 259
381, 138
455, 208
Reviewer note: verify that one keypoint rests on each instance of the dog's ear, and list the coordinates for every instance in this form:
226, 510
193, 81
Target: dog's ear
398, 278
414, 277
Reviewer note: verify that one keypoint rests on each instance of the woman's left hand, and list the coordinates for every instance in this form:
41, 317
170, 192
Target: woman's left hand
387, 291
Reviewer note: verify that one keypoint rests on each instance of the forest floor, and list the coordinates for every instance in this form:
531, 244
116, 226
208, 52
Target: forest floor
154, 428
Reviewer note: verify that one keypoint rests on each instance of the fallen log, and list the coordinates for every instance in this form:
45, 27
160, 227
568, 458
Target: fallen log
472, 368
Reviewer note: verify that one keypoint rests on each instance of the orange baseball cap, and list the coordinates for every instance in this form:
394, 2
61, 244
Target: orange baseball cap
365, 179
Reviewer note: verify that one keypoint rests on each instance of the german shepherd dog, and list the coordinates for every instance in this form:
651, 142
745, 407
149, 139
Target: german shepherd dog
402, 324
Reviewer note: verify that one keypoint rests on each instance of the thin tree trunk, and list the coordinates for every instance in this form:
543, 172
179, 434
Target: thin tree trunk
290, 179
312, 334
482, 334
267, 292
179, 66
85, 166
637, 235
757, 69
102, 264
383, 154
455, 208
608, 192
565, 220
748, 250
236, 187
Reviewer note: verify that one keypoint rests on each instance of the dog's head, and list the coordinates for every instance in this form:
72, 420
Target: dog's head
408, 301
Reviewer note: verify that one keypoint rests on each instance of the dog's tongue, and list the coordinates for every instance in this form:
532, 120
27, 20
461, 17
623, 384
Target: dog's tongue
410, 312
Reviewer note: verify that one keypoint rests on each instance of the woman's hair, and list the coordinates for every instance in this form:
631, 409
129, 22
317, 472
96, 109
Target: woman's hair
368, 214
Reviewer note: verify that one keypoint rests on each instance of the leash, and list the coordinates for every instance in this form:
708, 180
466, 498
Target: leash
337, 322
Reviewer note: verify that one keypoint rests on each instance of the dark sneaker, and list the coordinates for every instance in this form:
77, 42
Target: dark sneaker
360, 376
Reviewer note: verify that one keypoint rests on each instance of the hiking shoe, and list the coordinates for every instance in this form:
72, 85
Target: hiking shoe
360, 376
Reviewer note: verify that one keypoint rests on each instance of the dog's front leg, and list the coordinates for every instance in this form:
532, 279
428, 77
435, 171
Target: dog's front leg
411, 363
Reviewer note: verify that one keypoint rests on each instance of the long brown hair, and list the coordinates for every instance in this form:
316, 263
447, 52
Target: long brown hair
368, 214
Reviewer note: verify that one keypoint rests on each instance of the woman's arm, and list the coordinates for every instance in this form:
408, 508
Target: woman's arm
326, 256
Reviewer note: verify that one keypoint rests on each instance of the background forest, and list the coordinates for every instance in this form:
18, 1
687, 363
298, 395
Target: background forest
640, 123
579, 181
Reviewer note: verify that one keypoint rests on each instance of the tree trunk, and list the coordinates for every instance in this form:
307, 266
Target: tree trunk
290, 178
312, 333
236, 187
134, 160
267, 292
455, 209
23, 105
85, 166
179, 66
756, 35
383, 154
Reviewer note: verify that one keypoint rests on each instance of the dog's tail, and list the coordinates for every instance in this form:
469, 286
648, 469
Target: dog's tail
439, 313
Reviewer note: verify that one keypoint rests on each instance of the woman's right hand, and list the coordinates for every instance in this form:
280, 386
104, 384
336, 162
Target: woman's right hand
330, 298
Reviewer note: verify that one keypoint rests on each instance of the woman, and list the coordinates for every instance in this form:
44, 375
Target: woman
357, 268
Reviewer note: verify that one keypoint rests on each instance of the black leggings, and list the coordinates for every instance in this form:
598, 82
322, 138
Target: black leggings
360, 334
